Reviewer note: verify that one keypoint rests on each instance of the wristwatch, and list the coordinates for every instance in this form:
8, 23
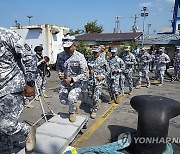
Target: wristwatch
30, 83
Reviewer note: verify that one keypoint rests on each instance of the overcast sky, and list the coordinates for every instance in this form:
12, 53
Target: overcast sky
76, 13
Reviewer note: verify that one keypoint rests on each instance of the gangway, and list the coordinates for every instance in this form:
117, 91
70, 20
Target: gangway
56, 134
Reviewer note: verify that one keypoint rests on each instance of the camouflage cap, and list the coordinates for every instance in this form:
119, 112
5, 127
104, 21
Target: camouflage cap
178, 47
96, 49
127, 48
161, 48
114, 50
102, 46
68, 41
143, 48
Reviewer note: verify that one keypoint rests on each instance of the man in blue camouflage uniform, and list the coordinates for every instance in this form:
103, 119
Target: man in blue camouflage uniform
16, 80
136, 52
143, 60
116, 77
103, 56
98, 70
176, 60
42, 68
73, 72
129, 60
162, 60
155, 65
152, 63
103, 52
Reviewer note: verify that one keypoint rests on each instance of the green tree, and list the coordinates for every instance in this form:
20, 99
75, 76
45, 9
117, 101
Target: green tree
78, 31
83, 48
93, 27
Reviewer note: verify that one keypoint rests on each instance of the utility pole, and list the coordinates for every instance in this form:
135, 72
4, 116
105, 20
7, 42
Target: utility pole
149, 25
116, 29
117, 24
29, 19
134, 27
144, 14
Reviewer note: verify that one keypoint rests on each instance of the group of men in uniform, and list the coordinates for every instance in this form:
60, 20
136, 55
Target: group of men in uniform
74, 72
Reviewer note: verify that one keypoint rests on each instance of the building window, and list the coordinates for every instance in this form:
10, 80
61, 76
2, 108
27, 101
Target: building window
178, 26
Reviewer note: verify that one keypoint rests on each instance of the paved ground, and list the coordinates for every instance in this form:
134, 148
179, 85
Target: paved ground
122, 119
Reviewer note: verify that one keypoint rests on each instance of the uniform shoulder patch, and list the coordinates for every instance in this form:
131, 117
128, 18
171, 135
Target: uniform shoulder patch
27, 47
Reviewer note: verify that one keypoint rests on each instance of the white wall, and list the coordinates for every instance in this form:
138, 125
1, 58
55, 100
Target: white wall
42, 35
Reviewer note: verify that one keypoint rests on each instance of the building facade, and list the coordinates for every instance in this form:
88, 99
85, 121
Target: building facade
48, 36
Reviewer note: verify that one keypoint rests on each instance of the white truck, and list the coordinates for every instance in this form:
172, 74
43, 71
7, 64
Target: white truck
48, 36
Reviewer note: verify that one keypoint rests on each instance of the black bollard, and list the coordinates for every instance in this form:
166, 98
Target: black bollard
154, 113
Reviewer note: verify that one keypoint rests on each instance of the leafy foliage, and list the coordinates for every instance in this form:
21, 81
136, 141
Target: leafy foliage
122, 47
78, 31
83, 48
93, 27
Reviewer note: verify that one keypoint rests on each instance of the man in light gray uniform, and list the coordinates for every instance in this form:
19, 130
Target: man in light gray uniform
16, 80
143, 70
73, 71
116, 77
162, 60
136, 52
98, 70
155, 62
129, 60
42, 68
103, 52
177, 63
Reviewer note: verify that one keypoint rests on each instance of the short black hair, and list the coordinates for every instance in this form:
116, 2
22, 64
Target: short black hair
38, 48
